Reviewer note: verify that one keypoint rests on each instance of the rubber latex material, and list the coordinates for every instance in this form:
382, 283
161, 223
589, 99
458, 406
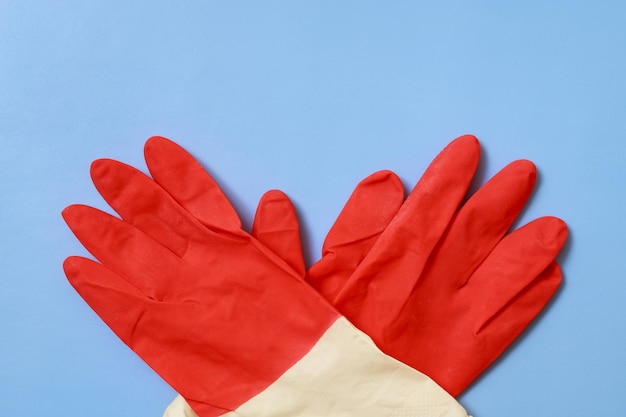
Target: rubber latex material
420, 278
280, 233
482, 289
223, 320
451, 312
346, 375
216, 314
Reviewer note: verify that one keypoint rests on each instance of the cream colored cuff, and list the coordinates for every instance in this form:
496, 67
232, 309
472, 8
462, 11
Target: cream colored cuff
345, 375
179, 408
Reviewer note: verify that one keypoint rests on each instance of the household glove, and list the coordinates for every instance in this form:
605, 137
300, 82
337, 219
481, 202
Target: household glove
482, 288
223, 320
481, 285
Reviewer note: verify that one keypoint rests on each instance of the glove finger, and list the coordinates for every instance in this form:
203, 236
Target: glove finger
124, 249
194, 360
521, 310
276, 226
122, 306
184, 178
368, 211
405, 246
511, 321
512, 266
505, 327
482, 221
502, 297
144, 204
107, 294
372, 205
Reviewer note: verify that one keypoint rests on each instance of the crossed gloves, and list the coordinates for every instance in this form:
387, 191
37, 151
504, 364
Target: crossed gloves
411, 300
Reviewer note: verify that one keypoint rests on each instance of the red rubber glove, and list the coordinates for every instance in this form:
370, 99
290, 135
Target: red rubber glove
434, 282
226, 322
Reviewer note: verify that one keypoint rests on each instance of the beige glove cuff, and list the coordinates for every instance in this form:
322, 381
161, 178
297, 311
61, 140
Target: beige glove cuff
345, 374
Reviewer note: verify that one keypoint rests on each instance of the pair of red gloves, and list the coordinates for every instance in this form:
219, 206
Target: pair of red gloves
412, 299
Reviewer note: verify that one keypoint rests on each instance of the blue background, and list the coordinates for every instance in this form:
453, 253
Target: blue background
310, 97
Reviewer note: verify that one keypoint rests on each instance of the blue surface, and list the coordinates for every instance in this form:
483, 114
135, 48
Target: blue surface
310, 97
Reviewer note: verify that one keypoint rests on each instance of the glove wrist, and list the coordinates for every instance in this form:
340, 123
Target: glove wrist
346, 374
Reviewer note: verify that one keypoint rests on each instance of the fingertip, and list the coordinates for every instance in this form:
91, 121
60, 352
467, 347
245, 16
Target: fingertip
100, 167
382, 175
376, 199
546, 284
276, 226
71, 266
560, 225
155, 142
553, 229
464, 151
274, 202
556, 274
72, 213
387, 177
469, 139
523, 168
274, 196
158, 147
467, 142
108, 175
67, 212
